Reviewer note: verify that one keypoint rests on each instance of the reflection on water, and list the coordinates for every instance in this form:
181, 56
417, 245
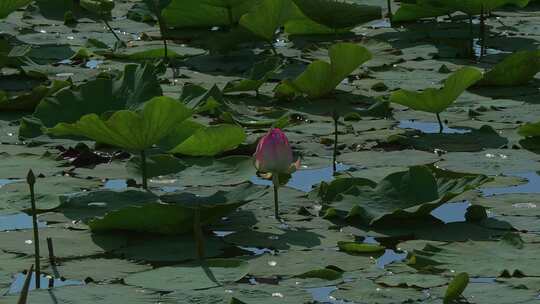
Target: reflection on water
258, 251
4, 181
451, 212
18, 283
429, 127
116, 184
93, 64
18, 221
305, 179
322, 295
532, 185
390, 256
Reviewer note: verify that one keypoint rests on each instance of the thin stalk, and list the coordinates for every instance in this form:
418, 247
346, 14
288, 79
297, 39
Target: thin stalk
230, 15
390, 15
162, 29
144, 170
111, 29
197, 230
471, 44
273, 48
26, 286
441, 126
31, 180
335, 116
482, 31
275, 181
52, 258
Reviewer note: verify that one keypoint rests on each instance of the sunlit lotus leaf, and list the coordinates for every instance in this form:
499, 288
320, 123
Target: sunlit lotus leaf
517, 69
204, 14
437, 100
267, 17
321, 77
338, 15
132, 130
8, 6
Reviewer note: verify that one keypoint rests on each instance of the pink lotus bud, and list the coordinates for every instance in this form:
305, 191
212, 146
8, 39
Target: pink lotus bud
274, 154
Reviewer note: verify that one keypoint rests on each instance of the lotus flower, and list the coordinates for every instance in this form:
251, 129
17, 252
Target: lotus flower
274, 155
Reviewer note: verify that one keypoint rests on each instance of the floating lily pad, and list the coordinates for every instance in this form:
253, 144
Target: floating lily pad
484, 258
400, 196
140, 211
210, 273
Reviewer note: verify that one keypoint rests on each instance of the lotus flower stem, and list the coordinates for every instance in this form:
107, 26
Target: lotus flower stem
199, 237
230, 16
482, 31
441, 126
31, 180
335, 116
52, 258
389, 2
144, 170
111, 29
471, 44
275, 181
26, 286
162, 29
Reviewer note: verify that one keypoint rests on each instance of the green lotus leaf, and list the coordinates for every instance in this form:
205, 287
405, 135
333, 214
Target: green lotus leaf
359, 248
8, 6
136, 210
530, 130
265, 18
300, 24
211, 141
516, 69
204, 14
131, 88
437, 100
28, 101
474, 7
321, 77
131, 130
417, 9
456, 287
422, 9
400, 196
258, 75
338, 15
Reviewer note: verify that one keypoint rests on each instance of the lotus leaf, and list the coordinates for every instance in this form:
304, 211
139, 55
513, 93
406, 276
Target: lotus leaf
130, 130
399, 196
143, 212
134, 86
517, 69
266, 17
8, 6
456, 287
194, 276
258, 75
211, 141
437, 100
484, 258
321, 77
205, 14
338, 15
530, 130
